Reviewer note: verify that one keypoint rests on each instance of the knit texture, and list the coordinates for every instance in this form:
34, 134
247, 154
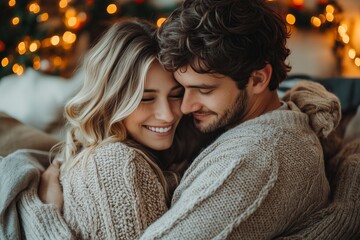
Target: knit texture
114, 194
122, 191
260, 179
322, 107
256, 181
341, 219
19, 176
17, 173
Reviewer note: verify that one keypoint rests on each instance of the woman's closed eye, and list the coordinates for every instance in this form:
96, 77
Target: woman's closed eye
178, 94
147, 99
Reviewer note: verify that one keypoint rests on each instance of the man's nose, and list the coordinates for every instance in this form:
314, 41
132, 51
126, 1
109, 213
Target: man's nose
189, 103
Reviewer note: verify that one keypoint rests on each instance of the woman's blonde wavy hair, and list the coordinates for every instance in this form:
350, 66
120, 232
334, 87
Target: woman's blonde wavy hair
115, 72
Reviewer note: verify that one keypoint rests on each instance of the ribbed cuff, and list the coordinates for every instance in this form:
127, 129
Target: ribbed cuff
41, 221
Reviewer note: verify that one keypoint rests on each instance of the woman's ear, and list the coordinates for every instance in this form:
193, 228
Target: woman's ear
260, 79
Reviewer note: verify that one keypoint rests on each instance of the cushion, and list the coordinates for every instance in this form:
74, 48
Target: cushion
37, 99
16, 135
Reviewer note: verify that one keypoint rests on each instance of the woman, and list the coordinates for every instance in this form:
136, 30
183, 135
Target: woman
121, 131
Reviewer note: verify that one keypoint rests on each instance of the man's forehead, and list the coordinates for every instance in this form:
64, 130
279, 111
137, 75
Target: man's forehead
188, 76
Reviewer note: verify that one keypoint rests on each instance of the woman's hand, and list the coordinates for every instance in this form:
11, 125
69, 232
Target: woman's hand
50, 191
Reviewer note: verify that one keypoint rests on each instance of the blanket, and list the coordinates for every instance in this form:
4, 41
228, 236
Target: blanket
20, 171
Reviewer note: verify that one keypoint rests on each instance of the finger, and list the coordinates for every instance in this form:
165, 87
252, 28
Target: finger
53, 171
56, 163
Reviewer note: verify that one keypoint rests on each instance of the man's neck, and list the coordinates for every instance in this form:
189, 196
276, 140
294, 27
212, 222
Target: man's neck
260, 105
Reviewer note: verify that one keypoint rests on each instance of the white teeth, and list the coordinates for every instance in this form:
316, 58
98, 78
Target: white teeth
159, 130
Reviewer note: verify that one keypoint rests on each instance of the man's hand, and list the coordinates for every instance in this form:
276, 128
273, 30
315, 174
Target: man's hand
50, 191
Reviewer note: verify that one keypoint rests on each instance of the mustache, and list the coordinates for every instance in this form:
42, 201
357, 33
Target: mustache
204, 112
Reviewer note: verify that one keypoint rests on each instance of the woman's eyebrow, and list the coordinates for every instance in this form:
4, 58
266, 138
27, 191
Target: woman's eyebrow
150, 90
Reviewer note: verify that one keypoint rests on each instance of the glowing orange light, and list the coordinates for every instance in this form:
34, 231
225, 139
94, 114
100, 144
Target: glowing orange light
12, 3
15, 21
352, 53
55, 40
357, 62
290, 19
316, 21
4, 62
111, 8
160, 21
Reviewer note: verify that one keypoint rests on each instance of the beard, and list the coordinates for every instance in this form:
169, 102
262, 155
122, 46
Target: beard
230, 118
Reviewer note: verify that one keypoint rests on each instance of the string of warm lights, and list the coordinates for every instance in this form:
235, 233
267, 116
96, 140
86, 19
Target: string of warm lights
50, 52
49, 49
344, 37
326, 16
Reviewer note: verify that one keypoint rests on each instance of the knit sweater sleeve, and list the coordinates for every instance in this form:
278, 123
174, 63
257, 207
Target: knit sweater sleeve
114, 195
41, 221
215, 198
341, 218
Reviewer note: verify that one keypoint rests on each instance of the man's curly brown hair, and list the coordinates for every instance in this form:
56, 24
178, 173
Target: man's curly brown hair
228, 37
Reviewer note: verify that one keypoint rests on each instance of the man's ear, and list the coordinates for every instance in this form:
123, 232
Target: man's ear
260, 79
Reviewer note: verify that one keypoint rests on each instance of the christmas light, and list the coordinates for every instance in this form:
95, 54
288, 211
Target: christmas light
330, 17
4, 62
330, 8
111, 8
342, 29
69, 37
352, 53
18, 69
57, 61
15, 21
160, 21
21, 48
12, 3
357, 62
316, 21
34, 46
298, 3
322, 18
70, 12
55, 40
42, 17
46, 43
63, 3
36, 63
34, 8
290, 19
346, 38
71, 22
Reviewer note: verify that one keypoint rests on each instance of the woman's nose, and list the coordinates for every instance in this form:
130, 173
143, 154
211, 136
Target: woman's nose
165, 112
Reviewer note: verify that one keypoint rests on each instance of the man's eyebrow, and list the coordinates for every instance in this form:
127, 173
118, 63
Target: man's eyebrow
149, 90
202, 86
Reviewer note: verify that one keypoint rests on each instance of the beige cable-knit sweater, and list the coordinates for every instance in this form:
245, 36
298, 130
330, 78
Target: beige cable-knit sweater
256, 181
115, 195
260, 179
213, 207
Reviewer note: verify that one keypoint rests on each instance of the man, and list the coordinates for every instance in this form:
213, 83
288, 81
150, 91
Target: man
265, 174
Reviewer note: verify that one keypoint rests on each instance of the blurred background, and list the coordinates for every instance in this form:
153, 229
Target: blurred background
50, 36
42, 43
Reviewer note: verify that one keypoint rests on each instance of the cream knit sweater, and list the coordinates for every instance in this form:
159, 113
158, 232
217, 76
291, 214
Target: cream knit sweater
256, 181
253, 182
114, 194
